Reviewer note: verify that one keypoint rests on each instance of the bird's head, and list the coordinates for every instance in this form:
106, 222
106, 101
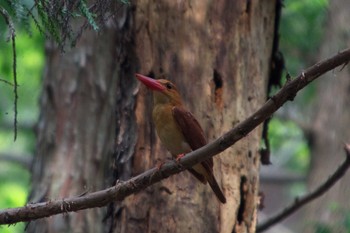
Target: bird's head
164, 91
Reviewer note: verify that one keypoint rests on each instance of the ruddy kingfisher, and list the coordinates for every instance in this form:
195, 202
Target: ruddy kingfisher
178, 129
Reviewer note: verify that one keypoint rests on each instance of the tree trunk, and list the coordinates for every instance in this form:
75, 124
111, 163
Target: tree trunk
75, 129
330, 127
218, 55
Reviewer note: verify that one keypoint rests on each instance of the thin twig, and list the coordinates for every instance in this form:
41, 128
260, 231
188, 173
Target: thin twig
11, 27
23, 125
5, 81
301, 201
22, 160
123, 189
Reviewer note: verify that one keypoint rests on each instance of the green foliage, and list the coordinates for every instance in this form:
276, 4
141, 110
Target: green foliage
53, 18
339, 226
322, 228
16, 9
46, 22
125, 2
288, 145
14, 187
87, 14
347, 221
301, 30
17, 228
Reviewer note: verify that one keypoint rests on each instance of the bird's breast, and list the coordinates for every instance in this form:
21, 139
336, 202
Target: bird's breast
168, 131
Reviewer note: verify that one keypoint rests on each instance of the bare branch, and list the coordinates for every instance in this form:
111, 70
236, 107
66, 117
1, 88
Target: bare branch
22, 125
300, 202
23, 160
5, 81
126, 188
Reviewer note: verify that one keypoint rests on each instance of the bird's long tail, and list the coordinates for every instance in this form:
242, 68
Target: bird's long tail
204, 173
215, 187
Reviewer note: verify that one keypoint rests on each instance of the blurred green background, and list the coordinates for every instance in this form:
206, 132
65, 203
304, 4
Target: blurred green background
302, 22
301, 31
14, 177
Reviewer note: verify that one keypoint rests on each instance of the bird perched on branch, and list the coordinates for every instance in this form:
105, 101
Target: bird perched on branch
178, 129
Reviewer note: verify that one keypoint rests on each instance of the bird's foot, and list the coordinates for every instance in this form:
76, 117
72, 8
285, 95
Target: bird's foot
159, 165
179, 157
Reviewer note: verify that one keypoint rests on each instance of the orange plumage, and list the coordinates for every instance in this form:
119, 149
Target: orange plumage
178, 129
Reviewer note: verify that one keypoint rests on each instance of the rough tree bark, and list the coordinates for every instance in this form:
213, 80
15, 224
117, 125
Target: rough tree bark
218, 55
330, 126
75, 129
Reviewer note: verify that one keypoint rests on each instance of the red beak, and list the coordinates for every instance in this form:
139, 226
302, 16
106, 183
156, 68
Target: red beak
150, 83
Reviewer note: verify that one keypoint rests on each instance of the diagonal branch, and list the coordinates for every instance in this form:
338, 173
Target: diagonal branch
300, 202
123, 189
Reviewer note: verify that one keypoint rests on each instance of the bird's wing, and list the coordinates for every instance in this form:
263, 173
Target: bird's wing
191, 129
194, 136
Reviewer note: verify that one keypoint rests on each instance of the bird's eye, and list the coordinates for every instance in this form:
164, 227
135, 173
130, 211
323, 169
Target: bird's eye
169, 86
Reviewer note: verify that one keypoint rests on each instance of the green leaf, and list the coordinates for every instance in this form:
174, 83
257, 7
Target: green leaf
87, 14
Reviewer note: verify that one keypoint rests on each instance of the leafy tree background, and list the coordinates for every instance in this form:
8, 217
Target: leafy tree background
301, 31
